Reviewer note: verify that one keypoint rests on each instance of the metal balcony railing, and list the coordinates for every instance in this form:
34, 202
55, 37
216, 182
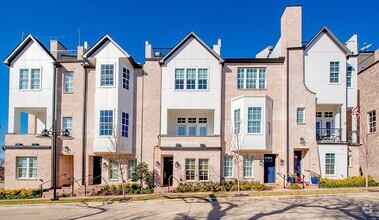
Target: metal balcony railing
328, 134
67, 55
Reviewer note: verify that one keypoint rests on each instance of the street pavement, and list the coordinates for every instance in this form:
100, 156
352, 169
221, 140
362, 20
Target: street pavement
358, 206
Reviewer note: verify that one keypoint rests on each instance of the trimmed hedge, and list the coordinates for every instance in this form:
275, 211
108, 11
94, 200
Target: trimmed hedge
354, 181
130, 188
221, 186
20, 194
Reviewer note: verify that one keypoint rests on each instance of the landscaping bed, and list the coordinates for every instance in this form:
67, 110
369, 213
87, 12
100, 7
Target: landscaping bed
231, 185
130, 188
354, 181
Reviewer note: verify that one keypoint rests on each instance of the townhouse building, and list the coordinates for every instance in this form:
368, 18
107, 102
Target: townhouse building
186, 112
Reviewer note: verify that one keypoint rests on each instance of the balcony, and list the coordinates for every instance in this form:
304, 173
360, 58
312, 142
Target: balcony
190, 142
26, 141
328, 135
67, 55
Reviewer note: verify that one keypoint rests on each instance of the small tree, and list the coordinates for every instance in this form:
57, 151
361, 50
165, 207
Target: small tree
141, 173
117, 154
366, 149
236, 146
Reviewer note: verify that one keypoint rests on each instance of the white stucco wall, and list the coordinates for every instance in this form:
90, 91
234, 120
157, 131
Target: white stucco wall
191, 55
263, 140
114, 97
341, 155
37, 102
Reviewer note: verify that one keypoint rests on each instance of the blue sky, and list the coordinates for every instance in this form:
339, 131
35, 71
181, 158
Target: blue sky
245, 27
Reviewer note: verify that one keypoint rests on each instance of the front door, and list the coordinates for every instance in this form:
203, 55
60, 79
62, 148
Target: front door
96, 170
297, 163
269, 168
167, 170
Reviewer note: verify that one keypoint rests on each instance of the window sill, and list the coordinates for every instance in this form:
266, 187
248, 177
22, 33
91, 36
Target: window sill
302, 123
260, 89
330, 83
68, 93
254, 133
191, 90
29, 90
27, 179
113, 180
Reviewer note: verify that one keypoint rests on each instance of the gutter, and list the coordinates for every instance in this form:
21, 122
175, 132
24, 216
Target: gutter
288, 111
84, 127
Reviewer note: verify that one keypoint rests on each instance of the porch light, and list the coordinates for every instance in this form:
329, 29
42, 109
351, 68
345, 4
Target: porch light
282, 162
157, 163
177, 164
261, 162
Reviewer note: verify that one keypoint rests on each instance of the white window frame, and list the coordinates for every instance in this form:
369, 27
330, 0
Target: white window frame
253, 82
371, 121
68, 82
181, 84
332, 70
28, 168
131, 165
107, 75
334, 164
300, 111
107, 123
203, 170
248, 166
189, 168
237, 121
65, 125
349, 76
113, 167
29, 78
229, 166
251, 120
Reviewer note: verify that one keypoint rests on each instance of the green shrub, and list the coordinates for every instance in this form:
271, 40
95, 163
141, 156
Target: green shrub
20, 194
130, 188
294, 186
220, 186
354, 181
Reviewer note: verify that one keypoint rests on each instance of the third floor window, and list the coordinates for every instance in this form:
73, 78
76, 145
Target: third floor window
191, 79
30, 79
334, 72
107, 75
68, 82
251, 78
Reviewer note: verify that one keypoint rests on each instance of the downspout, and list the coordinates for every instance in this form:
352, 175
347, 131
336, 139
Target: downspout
288, 113
84, 127
143, 88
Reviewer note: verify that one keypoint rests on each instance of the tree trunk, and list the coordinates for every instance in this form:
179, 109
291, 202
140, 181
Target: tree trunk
122, 183
238, 177
366, 181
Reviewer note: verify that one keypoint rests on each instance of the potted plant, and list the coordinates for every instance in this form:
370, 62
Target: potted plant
291, 178
314, 178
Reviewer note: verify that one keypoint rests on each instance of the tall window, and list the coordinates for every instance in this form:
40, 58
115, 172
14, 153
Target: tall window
334, 72
125, 78
30, 79
330, 163
203, 169
254, 116
191, 78
67, 124
107, 75
349, 75
26, 167
113, 170
251, 78
68, 82
300, 117
248, 167
132, 164
179, 78
106, 122
202, 79
371, 121
125, 124
190, 169
228, 166
237, 122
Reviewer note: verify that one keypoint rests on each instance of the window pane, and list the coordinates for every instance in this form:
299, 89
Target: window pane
35, 79
262, 78
191, 78
132, 164
67, 124
24, 80
192, 131
228, 166
334, 72
203, 131
106, 122
237, 122
203, 169
107, 75
300, 115
125, 78
125, 124
240, 78
190, 169
203, 79
254, 120
68, 81
179, 78
181, 130
248, 167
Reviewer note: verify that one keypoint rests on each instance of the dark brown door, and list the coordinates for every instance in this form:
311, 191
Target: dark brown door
167, 170
96, 170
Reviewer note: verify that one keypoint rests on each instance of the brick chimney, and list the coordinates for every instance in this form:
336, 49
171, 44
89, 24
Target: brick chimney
291, 30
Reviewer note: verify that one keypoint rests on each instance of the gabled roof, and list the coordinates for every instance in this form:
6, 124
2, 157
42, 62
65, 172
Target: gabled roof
332, 36
102, 41
183, 41
8, 60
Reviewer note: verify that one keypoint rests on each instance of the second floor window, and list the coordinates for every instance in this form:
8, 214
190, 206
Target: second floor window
125, 124
300, 115
67, 124
191, 79
125, 78
251, 78
334, 72
68, 82
237, 123
371, 116
106, 122
30, 79
107, 75
254, 116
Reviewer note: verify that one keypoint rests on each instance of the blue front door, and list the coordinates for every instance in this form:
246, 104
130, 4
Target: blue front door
269, 168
